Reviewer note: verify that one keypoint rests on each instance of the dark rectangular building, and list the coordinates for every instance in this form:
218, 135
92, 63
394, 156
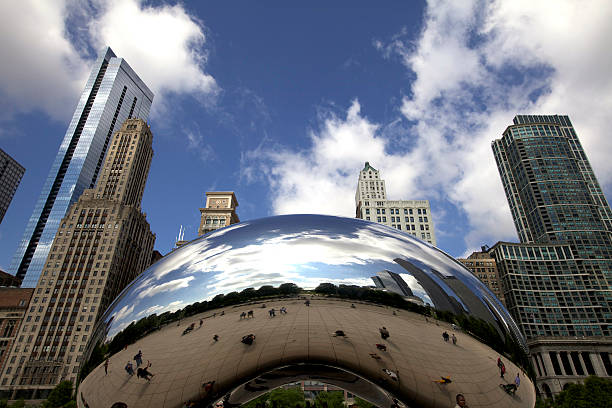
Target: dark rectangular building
11, 173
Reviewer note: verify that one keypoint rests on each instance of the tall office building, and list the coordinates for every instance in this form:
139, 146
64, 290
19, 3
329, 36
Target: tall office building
102, 244
220, 211
112, 94
412, 216
11, 173
557, 282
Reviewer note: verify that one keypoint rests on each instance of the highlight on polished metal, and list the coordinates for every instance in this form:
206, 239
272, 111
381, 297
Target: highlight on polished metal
249, 308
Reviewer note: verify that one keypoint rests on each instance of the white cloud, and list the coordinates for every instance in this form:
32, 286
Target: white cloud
476, 65
41, 69
44, 67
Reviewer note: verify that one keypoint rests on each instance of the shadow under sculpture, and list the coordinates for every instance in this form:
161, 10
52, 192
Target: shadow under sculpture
308, 288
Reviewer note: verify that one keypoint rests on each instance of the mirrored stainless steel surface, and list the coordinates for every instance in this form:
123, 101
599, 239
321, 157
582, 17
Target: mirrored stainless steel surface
179, 304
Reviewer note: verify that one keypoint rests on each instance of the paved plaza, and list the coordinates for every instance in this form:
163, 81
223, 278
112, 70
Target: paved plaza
416, 352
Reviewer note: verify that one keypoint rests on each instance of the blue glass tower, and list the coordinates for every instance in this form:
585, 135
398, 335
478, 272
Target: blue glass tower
113, 93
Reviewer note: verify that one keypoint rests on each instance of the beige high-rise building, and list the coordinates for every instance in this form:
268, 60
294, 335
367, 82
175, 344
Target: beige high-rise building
484, 267
220, 211
412, 216
102, 244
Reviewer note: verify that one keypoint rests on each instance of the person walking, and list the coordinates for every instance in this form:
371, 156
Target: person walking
384, 333
106, 367
502, 370
129, 368
454, 339
138, 358
517, 381
445, 336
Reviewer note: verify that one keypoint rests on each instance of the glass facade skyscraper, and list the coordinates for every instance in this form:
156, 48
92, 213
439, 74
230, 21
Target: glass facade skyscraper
10, 176
557, 282
112, 94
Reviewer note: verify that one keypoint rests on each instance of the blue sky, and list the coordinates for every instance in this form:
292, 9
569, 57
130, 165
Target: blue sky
283, 104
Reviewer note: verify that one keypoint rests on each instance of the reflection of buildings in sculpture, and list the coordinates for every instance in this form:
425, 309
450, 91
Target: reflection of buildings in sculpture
556, 282
13, 305
10, 176
393, 282
220, 211
113, 93
483, 266
439, 297
102, 244
412, 216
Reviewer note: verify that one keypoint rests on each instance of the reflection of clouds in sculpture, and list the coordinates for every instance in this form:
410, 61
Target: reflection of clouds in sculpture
173, 285
305, 250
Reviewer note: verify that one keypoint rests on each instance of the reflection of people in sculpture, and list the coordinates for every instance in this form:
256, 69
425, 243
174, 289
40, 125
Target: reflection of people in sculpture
248, 339
390, 374
143, 372
384, 333
443, 380
460, 401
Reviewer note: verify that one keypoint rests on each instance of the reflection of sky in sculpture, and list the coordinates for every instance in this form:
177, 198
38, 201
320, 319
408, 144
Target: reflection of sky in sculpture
303, 249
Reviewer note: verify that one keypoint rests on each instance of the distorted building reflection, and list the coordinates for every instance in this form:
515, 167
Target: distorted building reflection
301, 285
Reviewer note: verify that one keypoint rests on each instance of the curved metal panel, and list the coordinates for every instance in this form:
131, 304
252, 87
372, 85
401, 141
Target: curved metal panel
357, 273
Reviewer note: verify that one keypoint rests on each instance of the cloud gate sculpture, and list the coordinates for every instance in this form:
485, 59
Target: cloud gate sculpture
251, 307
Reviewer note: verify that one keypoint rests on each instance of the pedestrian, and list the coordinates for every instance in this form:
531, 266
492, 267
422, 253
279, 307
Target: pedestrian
454, 339
201, 321
138, 358
460, 401
391, 374
445, 336
248, 339
143, 372
216, 337
250, 314
307, 302
499, 362
517, 380
242, 315
339, 333
129, 368
352, 305
384, 333
106, 367
502, 370
381, 347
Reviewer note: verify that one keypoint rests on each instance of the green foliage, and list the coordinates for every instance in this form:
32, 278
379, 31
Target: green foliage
60, 396
20, 403
291, 397
332, 399
596, 392
363, 403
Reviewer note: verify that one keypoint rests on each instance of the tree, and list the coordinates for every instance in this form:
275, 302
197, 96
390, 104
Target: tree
363, 403
327, 289
60, 396
333, 399
290, 397
596, 392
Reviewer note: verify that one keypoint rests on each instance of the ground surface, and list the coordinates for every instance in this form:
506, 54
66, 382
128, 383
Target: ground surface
415, 351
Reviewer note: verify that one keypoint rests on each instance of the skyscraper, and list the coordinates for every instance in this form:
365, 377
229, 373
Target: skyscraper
102, 244
557, 282
482, 265
412, 216
10, 176
112, 94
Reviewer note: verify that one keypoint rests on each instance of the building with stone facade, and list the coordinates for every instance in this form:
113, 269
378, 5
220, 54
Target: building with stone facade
220, 211
13, 305
102, 244
411, 216
481, 264
11, 173
557, 282
113, 93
